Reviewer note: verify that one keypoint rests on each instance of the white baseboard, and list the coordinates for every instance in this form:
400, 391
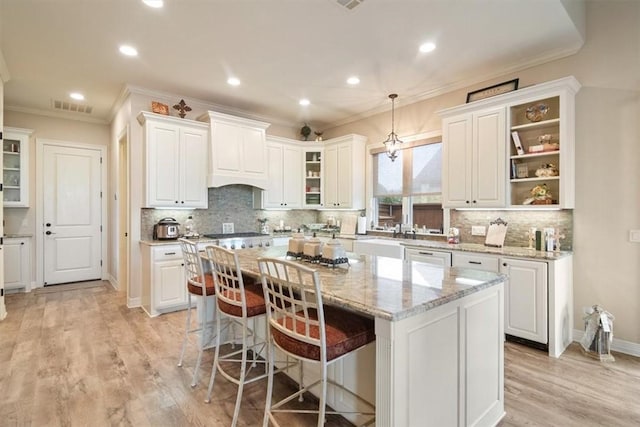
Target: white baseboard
134, 302
114, 282
622, 346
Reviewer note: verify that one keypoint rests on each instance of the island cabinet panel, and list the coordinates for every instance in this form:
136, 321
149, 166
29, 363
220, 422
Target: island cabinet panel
449, 364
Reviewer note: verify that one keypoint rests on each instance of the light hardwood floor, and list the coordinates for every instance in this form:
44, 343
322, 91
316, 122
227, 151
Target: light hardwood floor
81, 357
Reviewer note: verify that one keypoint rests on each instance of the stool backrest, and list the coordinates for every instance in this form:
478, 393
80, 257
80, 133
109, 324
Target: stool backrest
227, 276
193, 267
294, 301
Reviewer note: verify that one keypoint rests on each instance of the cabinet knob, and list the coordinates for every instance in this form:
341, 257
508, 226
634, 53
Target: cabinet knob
504, 264
474, 201
182, 202
466, 201
48, 224
22, 243
176, 201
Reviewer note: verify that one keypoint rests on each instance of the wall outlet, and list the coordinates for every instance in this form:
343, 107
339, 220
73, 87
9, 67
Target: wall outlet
227, 227
478, 230
634, 236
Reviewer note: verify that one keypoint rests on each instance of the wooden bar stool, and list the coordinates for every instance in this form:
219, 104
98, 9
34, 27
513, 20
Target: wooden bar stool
240, 299
305, 329
198, 284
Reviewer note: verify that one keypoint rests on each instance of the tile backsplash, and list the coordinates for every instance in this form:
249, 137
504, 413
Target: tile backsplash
519, 223
234, 203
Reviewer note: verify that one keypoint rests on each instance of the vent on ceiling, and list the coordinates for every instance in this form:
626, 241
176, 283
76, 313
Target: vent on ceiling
71, 106
349, 4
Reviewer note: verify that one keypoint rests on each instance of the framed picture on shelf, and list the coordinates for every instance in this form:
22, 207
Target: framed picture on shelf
494, 90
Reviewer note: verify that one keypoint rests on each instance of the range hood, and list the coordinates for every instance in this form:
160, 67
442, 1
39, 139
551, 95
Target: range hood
238, 150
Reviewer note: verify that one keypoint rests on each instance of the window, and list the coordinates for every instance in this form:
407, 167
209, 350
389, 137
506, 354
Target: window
408, 190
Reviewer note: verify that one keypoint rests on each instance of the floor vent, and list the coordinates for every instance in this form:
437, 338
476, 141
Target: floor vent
71, 106
349, 4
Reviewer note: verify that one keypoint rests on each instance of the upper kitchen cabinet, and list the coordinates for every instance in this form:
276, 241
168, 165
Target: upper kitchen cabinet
474, 159
343, 162
313, 176
15, 169
284, 167
176, 161
515, 150
542, 152
238, 151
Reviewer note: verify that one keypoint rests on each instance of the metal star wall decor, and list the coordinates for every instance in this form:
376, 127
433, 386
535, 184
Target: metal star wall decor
182, 108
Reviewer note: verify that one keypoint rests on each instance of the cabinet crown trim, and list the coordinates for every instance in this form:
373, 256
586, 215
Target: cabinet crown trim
221, 117
145, 115
566, 83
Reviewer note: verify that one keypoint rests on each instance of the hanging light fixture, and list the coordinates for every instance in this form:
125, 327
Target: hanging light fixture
392, 140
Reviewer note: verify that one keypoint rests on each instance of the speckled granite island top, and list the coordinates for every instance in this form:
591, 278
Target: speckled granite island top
511, 251
383, 287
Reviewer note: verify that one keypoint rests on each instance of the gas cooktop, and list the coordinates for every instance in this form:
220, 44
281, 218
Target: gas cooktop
234, 235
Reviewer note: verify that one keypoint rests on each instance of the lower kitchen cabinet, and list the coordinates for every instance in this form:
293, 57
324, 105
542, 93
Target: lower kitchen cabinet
163, 282
17, 263
525, 296
442, 259
538, 301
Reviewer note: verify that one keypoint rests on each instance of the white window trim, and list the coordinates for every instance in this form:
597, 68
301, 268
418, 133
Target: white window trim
409, 141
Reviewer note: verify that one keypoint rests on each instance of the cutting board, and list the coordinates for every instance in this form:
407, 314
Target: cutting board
496, 233
348, 226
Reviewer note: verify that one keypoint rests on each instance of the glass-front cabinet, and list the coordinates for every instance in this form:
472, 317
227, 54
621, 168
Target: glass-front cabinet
313, 174
15, 169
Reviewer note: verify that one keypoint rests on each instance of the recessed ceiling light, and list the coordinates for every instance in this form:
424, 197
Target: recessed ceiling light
304, 102
77, 96
233, 81
154, 3
128, 50
353, 80
427, 47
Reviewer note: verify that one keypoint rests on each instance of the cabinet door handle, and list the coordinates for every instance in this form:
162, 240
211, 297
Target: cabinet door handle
475, 262
169, 253
425, 253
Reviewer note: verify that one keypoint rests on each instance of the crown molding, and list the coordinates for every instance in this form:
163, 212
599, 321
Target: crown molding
55, 114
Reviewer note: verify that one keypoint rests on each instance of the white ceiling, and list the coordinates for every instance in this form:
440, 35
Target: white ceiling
282, 50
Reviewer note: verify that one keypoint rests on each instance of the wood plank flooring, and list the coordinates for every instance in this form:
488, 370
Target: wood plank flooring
80, 357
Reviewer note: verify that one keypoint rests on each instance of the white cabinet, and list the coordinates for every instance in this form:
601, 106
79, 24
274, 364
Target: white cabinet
238, 151
482, 166
525, 296
15, 168
475, 261
546, 140
176, 162
284, 162
313, 177
164, 287
474, 159
17, 265
344, 160
429, 256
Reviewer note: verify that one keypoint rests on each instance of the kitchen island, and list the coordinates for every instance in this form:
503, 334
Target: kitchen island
439, 338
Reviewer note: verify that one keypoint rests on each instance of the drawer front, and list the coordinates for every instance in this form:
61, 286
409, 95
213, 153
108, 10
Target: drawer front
166, 253
429, 256
476, 262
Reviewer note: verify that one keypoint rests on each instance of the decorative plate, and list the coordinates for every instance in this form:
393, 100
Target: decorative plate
535, 113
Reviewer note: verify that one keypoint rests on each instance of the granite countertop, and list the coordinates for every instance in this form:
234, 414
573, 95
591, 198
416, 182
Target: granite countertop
174, 241
383, 287
511, 251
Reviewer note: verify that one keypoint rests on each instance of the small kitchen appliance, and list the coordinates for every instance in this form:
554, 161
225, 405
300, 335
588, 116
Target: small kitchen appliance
166, 229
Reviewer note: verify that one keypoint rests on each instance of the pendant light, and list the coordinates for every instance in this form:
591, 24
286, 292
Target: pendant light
392, 140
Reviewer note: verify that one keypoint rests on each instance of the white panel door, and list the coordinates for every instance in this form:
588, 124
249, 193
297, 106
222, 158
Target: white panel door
331, 176
292, 176
254, 152
489, 165
345, 176
193, 168
227, 147
162, 163
456, 162
273, 197
72, 214
526, 311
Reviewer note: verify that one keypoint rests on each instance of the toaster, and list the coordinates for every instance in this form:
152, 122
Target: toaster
166, 229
